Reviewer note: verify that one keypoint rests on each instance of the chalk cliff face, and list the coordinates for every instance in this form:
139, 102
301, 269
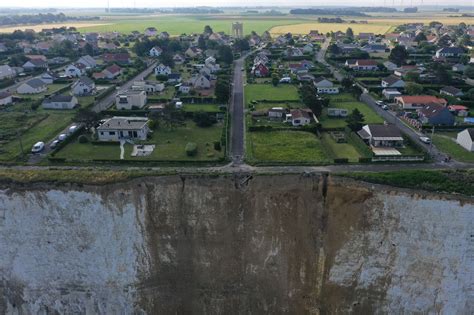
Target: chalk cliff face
227, 245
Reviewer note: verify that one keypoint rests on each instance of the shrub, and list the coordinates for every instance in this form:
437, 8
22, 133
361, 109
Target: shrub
82, 139
35, 105
191, 149
217, 145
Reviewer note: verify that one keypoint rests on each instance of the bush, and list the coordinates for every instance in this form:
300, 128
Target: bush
35, 105
191, 149
83, 139
217, 145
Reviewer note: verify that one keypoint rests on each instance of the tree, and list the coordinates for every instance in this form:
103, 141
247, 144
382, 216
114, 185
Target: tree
88, 49
208, 30
445, 41
398, 55
241, 44
334, 49
470, 94
413, 88
172, 117
201, 42
167, 59
469, 72
275, 79
355, 120
347, 83
349, 33
441, 73
310, 99
412, 76
222, 90
421, 37
203, 119
225, 54
87, 117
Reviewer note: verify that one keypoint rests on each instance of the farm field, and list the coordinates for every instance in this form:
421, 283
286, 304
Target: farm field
179, 24
305, 28
269, 92
286, 147
39, 27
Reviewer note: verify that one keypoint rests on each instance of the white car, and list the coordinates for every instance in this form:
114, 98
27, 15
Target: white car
38, 147
380, 103
62, 137
72, 129
385, 107
425, 140
54, 144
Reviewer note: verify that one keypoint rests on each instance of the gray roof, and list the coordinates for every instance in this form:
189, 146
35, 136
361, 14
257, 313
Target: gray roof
86, 80
451, 90
58, 98
35, 83
391, 79
124, 123
384, 131
471, 132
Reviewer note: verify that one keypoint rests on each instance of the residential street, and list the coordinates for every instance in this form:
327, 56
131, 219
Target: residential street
237, 134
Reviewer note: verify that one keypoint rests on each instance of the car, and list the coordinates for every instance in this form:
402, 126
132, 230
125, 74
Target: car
38, 147
54, 144
72, 129
385, 107
425, 140
380, 103
62, 137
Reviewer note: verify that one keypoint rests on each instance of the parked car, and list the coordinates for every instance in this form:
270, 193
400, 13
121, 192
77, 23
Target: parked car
72, 129
62, 137
385, 107
425, 140
54, 144
380, 103
38, 147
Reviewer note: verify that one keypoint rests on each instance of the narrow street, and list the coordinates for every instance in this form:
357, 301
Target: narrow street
237, 134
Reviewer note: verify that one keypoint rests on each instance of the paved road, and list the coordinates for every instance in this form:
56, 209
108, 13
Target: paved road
320, 57
237, 134
110, 99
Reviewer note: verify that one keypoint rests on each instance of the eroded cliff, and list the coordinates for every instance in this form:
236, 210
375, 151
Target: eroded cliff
234, 245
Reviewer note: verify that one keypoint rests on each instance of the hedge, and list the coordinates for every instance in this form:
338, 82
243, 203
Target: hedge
126, 112
105, 93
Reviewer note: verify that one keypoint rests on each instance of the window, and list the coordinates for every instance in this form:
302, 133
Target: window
112, 133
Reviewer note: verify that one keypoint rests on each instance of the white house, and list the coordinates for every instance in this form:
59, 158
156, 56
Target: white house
33, 86
5, 98
130, 99
324, 86
148, 86
448, 52
178, 59
6, 72
60, 102
83, 86
185, 88
299, 117
118, 128
87, 61
337, 112
201, 82
75, 70
155, 51
390, 94
392, 81
34, 64
465, 139
161, 69
48, 77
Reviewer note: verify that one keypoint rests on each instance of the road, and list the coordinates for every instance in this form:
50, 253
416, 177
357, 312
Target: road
108, 101
321, 58
237, 134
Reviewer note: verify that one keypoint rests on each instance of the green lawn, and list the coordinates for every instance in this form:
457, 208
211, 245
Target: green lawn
340, 150
282, 92
446, 142
286, 147
212, 108
170, 145
267, 106
176, 25
348, 102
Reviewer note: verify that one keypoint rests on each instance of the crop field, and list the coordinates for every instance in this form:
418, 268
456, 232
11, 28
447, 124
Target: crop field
305, 28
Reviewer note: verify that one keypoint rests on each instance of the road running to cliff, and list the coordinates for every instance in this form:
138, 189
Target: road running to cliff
237, 115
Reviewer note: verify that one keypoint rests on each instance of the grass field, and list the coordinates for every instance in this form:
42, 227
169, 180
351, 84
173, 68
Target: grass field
287, 147
282, 92
210, 108
305, 28
446, 142
340, 150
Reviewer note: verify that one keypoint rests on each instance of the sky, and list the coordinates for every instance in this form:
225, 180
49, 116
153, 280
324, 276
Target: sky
190, 3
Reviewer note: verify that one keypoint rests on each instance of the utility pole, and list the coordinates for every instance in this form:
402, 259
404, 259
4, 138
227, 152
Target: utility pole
431, 140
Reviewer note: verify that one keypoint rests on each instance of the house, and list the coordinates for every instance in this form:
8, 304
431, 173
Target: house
260, 70
305, 77
299, 117
5, 98
465, 139
390, 65
366, 36
324, 86
418, 101
308, 48
48, 77
155, 51
363, 65
459, 110
451, 91
33, 86
337, 112
83, 86
87, 61
118, 128
162, 70
34, 64
6, 72
43, 47
130, 99
390, 94
75, 70
392, 81
174, 78
164, 35
374, 48
201, 82
449, 52
261, 58
297, 68
403, 70
293, 52
151, 31
112, 71
277, 113
60, 102
381, 138
185, 87
193, 52
148, 86
120, 58
435, 114
458, 67
178, 59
